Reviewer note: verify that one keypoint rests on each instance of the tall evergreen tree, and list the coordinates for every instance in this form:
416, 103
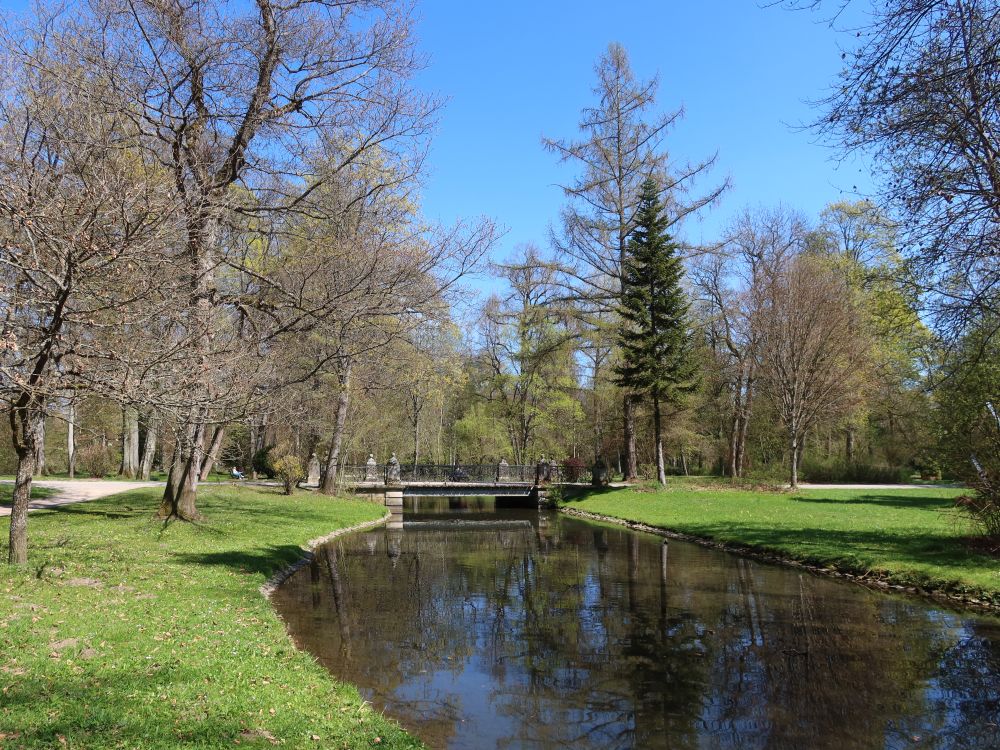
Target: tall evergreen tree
655, 343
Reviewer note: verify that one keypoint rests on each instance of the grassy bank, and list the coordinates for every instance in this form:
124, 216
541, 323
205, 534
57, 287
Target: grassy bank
124, 632
911, 536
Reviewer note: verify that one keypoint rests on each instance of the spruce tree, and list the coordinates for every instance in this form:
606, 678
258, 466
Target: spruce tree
655, 342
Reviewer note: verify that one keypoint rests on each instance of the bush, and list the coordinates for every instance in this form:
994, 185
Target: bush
573, 468
289, 470
840, 471
263, 462
96, 460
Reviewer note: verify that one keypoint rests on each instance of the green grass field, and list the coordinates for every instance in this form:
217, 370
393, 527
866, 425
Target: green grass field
913, 536
123, 632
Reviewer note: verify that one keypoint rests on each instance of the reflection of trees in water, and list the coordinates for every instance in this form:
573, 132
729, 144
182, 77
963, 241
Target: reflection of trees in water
600, 637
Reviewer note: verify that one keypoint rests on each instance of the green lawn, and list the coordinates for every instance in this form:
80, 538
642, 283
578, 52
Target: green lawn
37, 493
123, 632
912, 536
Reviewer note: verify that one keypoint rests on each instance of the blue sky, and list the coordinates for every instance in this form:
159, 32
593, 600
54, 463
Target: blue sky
512, 72
515, 71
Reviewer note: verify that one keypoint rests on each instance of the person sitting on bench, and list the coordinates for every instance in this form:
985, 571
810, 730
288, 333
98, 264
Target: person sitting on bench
236, 473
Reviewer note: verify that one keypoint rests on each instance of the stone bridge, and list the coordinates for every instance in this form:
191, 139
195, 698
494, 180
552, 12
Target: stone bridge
514, 484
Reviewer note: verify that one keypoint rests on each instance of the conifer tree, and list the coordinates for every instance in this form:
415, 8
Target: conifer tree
655, 343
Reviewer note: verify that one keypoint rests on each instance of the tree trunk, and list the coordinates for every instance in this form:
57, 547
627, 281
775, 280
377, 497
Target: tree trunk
329, 486
130, 443
849, 444
71, 440
631, 459
734, 438
684, 462
793, 449
39, 448
661, 472
27, 425
149, 448
741, 443
186, 507
416, 444
180, 494
213, 452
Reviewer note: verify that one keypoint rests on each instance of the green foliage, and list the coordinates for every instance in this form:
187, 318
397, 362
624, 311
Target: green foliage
654, 339
968, 420
263, 462
289, 470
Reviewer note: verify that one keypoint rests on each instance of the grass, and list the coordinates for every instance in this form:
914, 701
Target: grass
37, 493
906, 536
125, 632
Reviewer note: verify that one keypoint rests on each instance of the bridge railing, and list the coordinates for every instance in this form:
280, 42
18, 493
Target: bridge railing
465, 473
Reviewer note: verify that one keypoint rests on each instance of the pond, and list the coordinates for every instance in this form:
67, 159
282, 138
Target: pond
478, 627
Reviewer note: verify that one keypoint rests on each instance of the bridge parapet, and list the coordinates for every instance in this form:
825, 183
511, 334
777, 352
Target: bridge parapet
458, 473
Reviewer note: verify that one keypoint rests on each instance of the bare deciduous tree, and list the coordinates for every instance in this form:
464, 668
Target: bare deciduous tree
814, 350
81, 215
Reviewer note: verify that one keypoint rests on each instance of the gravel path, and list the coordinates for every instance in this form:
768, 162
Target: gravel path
808, 486
77, 491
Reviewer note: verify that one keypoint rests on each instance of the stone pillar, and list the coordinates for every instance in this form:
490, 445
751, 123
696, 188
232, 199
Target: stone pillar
313, 470
503, 471
371, 469
392, 470
394, 498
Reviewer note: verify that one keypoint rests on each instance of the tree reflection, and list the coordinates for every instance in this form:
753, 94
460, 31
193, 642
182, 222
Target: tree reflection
565, 633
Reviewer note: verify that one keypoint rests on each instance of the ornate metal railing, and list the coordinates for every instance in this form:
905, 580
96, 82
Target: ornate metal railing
463, 473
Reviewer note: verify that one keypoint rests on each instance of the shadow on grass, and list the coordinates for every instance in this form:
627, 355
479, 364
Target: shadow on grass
578, 494
894, 501
856, 548
37, 493
263, 560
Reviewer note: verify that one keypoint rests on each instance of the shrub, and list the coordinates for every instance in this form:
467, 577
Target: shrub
288, 469
573, 468
263, 462
96, 460
839, 471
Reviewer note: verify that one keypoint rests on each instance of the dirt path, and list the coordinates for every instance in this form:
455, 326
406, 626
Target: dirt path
77, 491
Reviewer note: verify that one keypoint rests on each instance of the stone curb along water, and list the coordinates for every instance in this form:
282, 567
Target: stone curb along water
860, 577
283, 575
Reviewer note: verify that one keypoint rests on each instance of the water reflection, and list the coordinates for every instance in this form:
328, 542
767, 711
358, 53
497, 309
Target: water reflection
516, 628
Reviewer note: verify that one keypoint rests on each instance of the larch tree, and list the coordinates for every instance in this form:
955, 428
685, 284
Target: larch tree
655, 339
621, 145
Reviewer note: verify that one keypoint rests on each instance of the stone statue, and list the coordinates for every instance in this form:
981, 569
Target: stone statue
599, 474
543, 472
313, 471
503, 471
392, 470
371, 469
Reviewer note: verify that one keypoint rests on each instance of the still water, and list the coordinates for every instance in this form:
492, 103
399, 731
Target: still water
478, 627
